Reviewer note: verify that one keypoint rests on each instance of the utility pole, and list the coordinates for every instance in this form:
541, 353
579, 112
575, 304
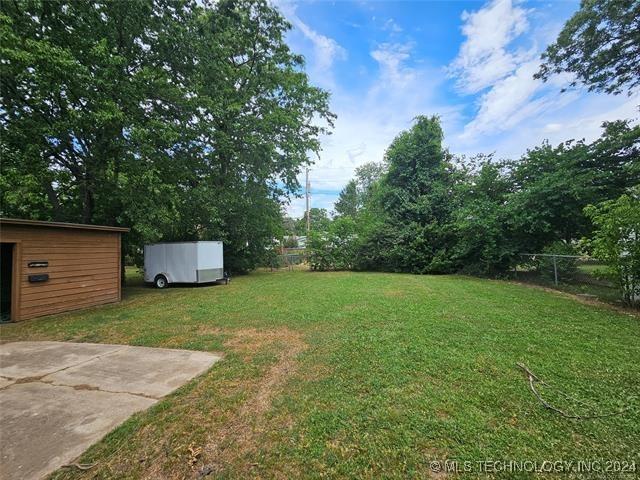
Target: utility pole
307, 189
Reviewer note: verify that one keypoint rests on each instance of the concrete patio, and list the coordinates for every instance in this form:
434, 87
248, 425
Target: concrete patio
57, 399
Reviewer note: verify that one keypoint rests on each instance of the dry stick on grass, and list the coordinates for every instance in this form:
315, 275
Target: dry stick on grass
533, 378
80, 466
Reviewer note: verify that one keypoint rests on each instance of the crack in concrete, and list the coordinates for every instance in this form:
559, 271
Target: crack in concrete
16, 379
86, 361
42, 378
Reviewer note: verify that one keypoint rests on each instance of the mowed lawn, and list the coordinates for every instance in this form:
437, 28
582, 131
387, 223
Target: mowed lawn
343, 375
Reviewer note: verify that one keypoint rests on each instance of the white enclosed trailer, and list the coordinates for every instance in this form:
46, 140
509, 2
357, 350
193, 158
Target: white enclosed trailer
183, 262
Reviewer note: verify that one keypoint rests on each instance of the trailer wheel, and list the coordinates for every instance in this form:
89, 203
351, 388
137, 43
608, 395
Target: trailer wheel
160, 281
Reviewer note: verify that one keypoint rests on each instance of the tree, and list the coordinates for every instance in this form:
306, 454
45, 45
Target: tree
367, 177
433, 213
415, 201
335, 248
483, 243
319, 220
600, 46
179, 120
616, 240
82, 83
359, 189
348, 201
552, 185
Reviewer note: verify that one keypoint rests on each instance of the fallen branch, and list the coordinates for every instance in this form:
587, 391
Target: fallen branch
80, 466
533, 379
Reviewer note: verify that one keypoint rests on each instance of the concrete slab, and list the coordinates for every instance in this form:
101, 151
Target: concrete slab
40, 434
56, 399
34, 359
153, 372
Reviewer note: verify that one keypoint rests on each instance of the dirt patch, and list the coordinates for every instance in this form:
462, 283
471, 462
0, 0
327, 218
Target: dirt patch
247, 427
394, 293
277, 375
443, 414
238, 436
248, 341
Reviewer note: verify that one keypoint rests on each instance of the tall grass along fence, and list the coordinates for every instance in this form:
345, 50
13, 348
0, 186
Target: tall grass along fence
585, 276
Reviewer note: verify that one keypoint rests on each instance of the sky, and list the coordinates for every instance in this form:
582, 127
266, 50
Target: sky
471, 63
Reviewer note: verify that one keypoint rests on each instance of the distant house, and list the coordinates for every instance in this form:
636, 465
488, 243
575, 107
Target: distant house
294, 241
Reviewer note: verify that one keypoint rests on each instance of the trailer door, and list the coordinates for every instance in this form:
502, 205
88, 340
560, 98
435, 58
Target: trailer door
181, 262
210, 262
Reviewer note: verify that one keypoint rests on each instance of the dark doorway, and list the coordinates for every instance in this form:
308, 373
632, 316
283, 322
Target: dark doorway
6, 280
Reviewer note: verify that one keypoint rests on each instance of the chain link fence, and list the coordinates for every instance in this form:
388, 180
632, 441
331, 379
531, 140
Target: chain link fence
585, 276
580, 275
288, 259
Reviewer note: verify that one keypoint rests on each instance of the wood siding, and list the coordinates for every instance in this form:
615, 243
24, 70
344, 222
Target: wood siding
83, 268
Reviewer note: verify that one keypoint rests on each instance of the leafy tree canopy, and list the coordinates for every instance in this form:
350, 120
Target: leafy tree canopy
600, 46
180, 120
434, 213
349, 200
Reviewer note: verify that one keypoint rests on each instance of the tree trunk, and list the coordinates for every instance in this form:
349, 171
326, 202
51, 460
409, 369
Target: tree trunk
53, 200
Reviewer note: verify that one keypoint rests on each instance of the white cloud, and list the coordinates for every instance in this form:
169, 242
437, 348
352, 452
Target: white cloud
488, 61
583, 120
391, 26
575, 118
512, 111
391, 58
483, 58
508, 102
369, 120
326, 51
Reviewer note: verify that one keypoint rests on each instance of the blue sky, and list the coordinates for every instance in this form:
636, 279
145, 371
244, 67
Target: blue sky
471, 63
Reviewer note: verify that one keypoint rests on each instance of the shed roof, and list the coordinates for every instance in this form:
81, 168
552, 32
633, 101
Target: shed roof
79, 226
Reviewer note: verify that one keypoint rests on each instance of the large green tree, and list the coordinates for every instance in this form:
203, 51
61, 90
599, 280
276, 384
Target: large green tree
349, 201
552, 185
428, 213
359, 190
411, 230
483, 243
600, 46
179, 120
83, 91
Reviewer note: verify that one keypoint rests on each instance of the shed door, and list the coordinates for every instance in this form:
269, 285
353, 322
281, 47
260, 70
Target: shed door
6, 281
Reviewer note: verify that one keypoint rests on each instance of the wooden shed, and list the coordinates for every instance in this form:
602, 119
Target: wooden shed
52, 267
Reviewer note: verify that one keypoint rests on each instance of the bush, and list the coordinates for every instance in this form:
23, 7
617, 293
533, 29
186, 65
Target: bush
335, 248
616, 240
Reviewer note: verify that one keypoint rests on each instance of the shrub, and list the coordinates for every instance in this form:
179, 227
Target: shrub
616, 240
335, 248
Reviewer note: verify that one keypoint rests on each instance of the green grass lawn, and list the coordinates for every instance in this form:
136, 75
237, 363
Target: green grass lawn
343, 375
